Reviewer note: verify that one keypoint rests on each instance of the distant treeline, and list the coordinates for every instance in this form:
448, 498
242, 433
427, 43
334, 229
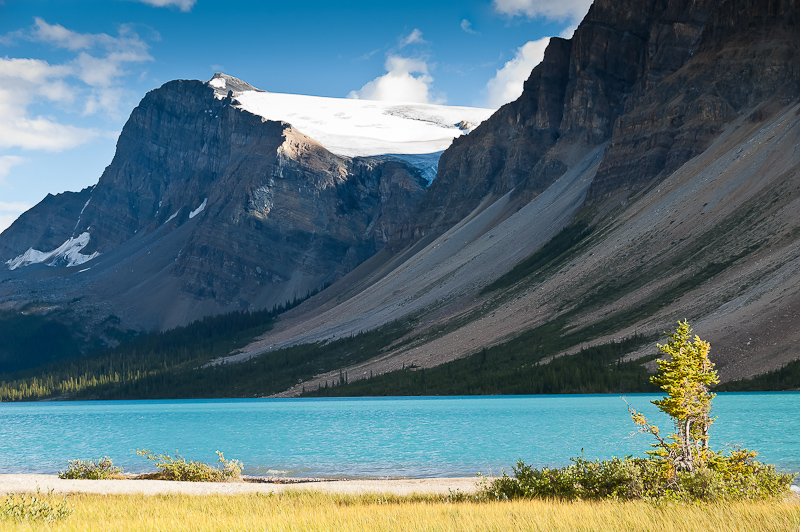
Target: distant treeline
144, 356
518, 367
30, 340
786, 378
266, 374
170, 364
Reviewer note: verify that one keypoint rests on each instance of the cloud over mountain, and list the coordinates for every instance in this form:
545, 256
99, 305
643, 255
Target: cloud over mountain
91, 82
506, 85
406, 80
569, 10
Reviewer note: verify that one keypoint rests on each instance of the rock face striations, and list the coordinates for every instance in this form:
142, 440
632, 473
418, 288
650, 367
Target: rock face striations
655, 79
706, 62
255, 212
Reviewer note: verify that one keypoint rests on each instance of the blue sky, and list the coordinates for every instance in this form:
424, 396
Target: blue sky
72, 70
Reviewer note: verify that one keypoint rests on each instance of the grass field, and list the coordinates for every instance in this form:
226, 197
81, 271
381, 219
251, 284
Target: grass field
309, 511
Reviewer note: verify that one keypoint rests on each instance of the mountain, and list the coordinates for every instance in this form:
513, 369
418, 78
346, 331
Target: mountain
647, 174
213, 204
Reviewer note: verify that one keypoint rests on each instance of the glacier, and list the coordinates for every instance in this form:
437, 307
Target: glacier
413, 132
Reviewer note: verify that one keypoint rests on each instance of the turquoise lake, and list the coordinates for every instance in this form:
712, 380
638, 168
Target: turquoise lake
376, 437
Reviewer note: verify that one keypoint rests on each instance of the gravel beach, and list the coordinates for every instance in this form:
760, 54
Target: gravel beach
45, 483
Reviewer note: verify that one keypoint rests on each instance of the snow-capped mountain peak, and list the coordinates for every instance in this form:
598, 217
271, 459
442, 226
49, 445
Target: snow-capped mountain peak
354, 128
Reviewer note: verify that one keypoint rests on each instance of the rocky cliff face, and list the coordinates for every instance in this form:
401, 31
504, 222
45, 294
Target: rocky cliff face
655, 79
705, 64
669, 127
507, 149
264, 213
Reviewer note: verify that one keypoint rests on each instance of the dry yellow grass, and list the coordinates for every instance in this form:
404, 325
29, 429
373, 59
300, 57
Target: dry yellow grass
309, 511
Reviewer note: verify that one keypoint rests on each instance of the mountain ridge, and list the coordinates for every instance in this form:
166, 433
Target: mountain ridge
647, 174
705, 43
258, 204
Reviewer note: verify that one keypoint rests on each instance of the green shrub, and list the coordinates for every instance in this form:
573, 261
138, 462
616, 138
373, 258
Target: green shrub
734, 476
682, 466
34, 507
103, 468
178, 468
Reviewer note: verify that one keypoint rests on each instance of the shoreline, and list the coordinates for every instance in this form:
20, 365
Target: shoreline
30, 483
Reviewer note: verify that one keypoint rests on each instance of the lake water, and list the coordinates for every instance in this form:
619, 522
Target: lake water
376, 437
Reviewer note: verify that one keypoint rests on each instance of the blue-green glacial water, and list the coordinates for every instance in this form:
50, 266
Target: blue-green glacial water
376, 437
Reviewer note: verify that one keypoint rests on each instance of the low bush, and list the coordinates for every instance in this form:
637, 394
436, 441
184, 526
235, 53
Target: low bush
34, 507
178, 468
101, 469
733, 476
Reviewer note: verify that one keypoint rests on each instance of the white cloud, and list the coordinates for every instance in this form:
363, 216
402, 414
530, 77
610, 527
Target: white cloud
183, 5
23, 81
10, 212
406, 80
32, 70
6, 162
506, 85
466, 25
561, 10
62, 37
415, 37
92, 80
41, 133
101, 63
567, 32
96, 71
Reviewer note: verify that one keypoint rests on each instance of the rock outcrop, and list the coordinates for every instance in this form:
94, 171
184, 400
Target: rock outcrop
655, 79
265, 213
706, 62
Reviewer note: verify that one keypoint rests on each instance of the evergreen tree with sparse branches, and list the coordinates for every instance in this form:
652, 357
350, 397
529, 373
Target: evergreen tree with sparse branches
685, 376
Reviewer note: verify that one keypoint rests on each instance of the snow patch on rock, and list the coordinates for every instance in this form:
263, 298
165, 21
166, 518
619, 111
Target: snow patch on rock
67, 254
198, 210
415, 133
81, 214
218, 83
171, 218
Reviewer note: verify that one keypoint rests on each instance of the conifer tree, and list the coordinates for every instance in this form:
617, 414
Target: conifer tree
685, 376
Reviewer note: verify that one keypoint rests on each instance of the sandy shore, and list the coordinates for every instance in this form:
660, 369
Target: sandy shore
30, 483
